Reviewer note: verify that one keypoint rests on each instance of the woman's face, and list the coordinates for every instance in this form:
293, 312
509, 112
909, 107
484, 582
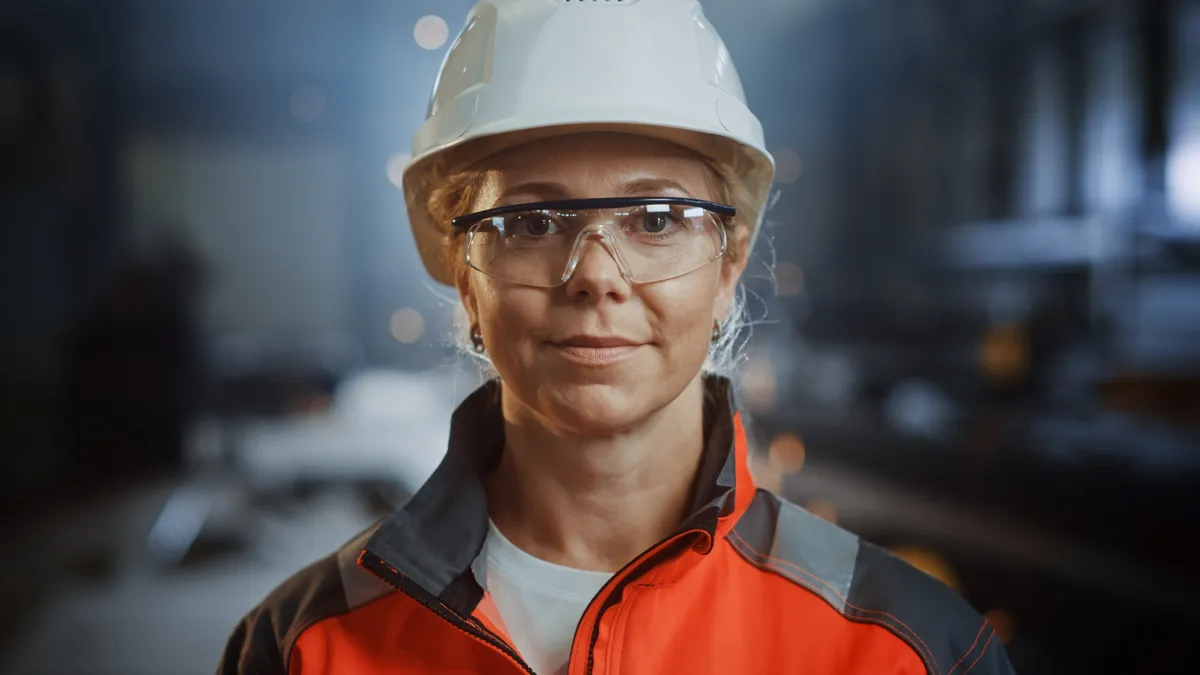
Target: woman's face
542, 340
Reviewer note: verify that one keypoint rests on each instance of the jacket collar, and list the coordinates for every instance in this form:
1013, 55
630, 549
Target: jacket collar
434, 539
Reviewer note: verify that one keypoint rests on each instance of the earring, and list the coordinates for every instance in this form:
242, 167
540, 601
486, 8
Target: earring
716, 334
476, 339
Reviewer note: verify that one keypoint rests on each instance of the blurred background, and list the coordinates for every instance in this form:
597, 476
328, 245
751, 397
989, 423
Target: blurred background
977, 307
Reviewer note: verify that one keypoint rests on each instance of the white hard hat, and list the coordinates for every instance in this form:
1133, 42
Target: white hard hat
523, 70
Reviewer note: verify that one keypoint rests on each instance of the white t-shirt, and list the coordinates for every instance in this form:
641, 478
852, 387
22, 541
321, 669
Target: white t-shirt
540, 603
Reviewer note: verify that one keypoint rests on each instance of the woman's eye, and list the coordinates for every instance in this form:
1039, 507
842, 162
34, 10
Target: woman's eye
657, 222
534, 225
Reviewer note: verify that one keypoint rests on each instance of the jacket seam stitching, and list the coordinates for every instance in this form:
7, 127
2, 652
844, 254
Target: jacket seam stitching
912, 638
967, 653
981, 653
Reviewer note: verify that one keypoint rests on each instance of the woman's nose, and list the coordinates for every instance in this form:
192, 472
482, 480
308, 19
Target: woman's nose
596, 272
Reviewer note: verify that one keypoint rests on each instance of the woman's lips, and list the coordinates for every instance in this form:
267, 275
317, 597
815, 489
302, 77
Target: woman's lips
595, 351
595, 356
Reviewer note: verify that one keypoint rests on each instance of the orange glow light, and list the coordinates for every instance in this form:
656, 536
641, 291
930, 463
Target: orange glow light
1004, 354
928, 562
787, 453
1002, 622
764, 476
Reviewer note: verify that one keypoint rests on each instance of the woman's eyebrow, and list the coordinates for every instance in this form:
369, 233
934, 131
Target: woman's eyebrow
652, 185
552, 190
544, 190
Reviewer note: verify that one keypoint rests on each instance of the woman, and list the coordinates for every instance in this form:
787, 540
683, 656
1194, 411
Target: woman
592, 191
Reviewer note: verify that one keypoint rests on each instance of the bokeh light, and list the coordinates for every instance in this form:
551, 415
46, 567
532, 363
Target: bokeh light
764, 476
431, 32
407, 325
1003, 623
1183, 179
1003, 353
787, 453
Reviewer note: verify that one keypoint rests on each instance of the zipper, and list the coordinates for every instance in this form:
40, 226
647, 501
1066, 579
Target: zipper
639, 567
401, 583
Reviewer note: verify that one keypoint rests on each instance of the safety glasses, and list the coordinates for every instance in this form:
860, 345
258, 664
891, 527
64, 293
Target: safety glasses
650, 238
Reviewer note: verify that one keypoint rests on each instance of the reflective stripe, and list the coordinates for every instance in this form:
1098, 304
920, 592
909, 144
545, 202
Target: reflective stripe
775, 532
819, 546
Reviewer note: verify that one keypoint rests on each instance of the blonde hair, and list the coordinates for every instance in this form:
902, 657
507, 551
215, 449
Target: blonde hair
458, 193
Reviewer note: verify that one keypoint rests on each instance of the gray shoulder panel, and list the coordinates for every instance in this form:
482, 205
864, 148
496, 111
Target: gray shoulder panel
950, 636
359, 585
776, 534
869, 585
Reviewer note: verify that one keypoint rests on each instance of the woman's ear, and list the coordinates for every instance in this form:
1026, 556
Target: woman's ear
462, 282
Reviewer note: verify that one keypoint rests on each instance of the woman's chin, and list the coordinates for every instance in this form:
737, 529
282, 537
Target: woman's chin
597, 408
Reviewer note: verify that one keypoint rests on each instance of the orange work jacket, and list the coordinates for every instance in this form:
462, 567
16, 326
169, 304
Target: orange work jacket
749, 583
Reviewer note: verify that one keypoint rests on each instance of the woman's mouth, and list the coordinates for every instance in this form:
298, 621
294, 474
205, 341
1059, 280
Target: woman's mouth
592, 350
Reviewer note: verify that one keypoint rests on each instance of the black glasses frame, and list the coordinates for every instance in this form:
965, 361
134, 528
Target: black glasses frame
471, 219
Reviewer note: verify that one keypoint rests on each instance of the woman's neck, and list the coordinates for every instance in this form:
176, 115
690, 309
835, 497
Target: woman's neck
597, 503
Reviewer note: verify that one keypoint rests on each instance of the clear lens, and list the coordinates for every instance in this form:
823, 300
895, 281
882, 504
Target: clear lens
649, 243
